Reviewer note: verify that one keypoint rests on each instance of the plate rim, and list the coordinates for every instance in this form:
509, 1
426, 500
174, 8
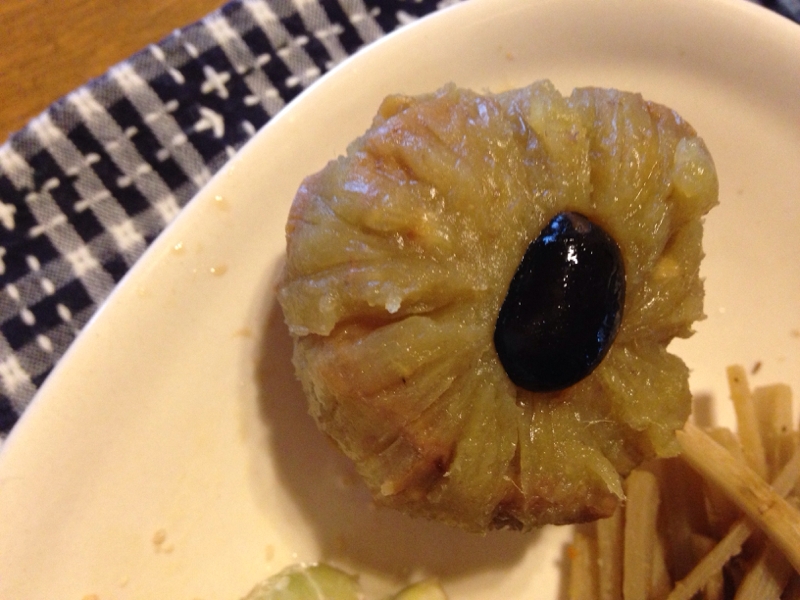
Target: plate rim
150, 256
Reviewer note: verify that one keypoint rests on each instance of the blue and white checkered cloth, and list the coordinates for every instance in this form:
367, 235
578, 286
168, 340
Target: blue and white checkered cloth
87, 185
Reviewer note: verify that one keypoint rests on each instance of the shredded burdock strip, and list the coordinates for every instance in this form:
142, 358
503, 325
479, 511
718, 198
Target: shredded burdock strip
746, 420
731, 544
768, 509
768, 576
641, 513
719, 523
583, 583
610, 535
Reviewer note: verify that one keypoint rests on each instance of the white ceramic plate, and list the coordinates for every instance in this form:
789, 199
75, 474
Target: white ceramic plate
177, 411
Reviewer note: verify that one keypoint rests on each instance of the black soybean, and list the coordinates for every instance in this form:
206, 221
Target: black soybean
563, 307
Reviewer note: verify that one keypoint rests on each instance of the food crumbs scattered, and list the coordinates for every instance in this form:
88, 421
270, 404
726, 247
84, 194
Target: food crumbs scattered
244, 332
178, 248
222, 203
756, 367
219, 270
159, 539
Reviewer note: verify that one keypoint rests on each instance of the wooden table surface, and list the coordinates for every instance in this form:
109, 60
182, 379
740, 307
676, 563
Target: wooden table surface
50, 47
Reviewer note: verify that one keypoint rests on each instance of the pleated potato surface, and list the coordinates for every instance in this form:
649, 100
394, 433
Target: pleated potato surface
399, 256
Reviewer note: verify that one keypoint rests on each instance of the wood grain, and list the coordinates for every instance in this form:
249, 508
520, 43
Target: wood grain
50, 47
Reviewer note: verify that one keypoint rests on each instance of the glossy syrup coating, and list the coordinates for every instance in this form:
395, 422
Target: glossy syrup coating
563, 307
400, 254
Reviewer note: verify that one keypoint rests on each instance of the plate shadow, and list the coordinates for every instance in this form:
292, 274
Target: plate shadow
329, 494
